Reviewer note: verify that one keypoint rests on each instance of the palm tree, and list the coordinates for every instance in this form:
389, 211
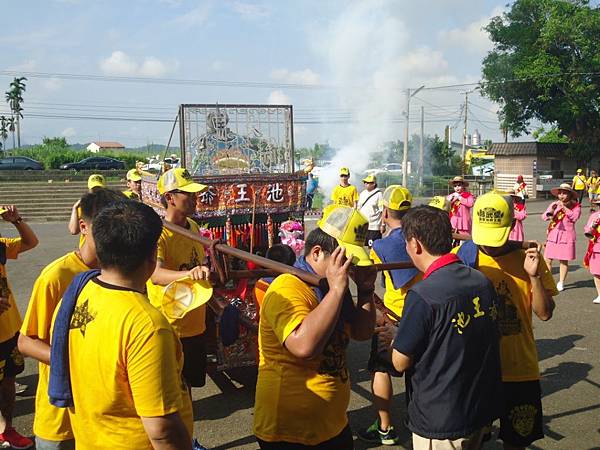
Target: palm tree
3, 131
14, 97
11, 127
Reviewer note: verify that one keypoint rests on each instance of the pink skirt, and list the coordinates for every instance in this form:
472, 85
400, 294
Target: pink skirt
565, 252
595, 264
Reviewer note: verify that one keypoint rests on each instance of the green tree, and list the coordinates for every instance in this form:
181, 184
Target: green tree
444, 160
14, 98
545, 66
553, 135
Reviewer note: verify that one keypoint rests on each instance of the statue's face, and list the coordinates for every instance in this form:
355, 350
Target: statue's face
219, 120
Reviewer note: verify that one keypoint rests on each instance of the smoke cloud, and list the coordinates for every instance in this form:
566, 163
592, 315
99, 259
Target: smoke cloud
365, 47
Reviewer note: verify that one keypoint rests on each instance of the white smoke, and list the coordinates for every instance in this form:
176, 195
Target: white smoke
365, 47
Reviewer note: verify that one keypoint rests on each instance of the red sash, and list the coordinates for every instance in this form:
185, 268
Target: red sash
521, 188
456, 203
590, 250
556, 219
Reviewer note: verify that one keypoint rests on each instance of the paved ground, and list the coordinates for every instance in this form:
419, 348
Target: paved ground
569, 349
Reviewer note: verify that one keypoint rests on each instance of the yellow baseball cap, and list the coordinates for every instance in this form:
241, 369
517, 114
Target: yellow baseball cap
579, 170
397, 197
134, 175
184, 295
344, 171
96, 180
440, 202
492, 219
178, 179
349, 227
370, 179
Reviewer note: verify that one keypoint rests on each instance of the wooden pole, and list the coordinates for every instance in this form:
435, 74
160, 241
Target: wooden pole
275, 267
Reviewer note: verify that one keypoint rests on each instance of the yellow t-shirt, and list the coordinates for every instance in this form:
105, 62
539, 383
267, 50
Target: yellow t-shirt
518, 354
10, 320
177, 252
50, 423
579, 182
393, 299
132, 195
125, 362
296, 400
344, 195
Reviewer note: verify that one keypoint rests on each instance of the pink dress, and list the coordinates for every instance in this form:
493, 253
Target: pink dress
560, 243
460, 211
594, 247
517, 233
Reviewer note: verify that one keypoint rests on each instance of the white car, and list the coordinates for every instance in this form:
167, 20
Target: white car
391, 168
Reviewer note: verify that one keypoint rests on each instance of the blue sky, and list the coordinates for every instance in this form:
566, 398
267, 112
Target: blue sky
349, 59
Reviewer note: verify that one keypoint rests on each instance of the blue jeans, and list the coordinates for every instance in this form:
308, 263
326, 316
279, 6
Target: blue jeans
43, 444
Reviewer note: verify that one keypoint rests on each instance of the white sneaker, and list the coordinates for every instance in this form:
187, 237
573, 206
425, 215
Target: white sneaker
597, 300
559, 286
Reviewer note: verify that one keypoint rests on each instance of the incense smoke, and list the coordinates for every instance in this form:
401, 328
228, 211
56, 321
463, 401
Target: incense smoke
365, 47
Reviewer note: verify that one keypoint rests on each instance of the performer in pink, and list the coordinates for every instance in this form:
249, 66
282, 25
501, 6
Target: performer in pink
520, 188
461, 201
591, 259
560, 243
520, 214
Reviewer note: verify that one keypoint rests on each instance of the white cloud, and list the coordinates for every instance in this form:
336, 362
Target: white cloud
217, 65
194, 17
26, 66
120, 63
278, 98
68, 132
153, 67
52, 84
472, 37
306, 76
250, 10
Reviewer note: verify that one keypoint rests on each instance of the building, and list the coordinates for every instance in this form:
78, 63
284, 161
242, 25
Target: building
543, 165
98, 146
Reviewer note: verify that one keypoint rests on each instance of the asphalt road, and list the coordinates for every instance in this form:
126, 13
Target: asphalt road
569, 349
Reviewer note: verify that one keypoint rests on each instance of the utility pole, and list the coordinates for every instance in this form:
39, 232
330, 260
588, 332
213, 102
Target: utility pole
405, 155
421, 147
466, 122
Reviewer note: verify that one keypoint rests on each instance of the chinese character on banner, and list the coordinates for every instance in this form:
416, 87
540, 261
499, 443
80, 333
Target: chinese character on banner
242, 193
275, 193
207, 197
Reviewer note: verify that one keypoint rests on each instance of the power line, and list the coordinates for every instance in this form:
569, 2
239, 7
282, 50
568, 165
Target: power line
262, 85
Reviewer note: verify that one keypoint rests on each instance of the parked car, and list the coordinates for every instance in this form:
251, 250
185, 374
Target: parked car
20, 163
391, 168
95, 163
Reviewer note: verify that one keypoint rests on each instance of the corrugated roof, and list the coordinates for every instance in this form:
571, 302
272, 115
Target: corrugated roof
528, 149
108, 144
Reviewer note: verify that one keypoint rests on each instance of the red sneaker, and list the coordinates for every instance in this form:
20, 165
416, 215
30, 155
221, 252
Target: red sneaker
16, 440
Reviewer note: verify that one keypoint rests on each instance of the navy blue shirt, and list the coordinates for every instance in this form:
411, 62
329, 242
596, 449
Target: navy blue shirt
449, 329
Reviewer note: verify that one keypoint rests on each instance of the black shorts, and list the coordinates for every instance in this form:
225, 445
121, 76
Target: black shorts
521, 420
343, 441
11, 360
380, 362
372, 235
194, 360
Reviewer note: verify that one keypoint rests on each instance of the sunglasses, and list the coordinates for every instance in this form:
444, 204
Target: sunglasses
369, 182
344, 176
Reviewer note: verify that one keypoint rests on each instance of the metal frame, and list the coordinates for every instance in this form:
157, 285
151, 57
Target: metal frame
287, 123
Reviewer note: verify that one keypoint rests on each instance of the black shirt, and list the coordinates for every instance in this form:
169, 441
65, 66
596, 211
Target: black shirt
449, 329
